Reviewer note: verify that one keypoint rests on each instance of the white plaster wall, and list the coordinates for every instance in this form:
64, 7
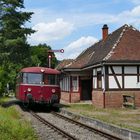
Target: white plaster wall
94, 72
138, 84
94, 82
130, 82
130, 70
103, 82
99, 69
117, 70
112, 82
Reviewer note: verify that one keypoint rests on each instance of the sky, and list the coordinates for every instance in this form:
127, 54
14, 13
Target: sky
74, 25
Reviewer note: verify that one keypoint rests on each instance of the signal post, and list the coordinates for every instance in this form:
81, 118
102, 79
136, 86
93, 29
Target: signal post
50, 54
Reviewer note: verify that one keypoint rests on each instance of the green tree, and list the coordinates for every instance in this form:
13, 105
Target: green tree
14, 49
13, 31
39, 55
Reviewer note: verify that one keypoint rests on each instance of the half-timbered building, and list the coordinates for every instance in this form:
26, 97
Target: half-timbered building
107, 73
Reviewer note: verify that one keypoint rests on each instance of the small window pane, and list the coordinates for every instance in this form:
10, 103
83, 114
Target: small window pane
130, 70
75, 83
53, 79
99, 80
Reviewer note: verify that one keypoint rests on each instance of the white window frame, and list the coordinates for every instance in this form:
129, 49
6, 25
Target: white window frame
75, 84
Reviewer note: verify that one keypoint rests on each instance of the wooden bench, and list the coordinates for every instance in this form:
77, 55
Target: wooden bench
128, 100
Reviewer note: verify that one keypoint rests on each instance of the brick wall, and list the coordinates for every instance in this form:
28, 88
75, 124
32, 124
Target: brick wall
113, 98
97, 98
75, 97
65, 96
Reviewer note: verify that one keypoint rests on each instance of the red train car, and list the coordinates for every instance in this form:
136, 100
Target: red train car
38, 85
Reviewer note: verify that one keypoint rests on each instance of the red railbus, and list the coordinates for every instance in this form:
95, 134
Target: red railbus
38, 85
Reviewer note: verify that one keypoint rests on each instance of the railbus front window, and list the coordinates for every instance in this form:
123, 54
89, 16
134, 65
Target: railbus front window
32, 78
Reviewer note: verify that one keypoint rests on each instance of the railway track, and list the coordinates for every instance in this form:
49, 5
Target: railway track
55, 128
64, 129
103, 134
71, 129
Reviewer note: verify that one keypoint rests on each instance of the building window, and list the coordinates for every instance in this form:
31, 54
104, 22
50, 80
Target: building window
99, 79
75, 83
65, 83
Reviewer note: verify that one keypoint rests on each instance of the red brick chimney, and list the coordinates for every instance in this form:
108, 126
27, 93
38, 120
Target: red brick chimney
104, 31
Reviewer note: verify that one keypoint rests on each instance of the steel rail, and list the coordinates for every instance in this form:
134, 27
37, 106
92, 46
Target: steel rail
102, 133
60, 131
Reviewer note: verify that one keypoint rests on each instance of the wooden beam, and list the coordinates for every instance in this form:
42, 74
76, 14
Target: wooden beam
116, 79
138, 79
122, 77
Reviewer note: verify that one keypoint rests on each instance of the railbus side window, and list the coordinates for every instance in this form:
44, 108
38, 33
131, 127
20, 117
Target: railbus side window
45, 79
53, 79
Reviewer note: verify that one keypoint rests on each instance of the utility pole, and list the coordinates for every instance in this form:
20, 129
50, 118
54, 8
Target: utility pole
50, 54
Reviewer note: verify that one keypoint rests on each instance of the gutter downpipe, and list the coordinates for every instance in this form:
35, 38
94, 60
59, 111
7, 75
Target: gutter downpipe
104, 85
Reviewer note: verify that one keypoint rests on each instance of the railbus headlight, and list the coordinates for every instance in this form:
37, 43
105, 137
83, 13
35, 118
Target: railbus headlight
29, 89
53, 90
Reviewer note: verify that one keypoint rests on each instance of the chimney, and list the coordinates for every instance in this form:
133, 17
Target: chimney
104, 32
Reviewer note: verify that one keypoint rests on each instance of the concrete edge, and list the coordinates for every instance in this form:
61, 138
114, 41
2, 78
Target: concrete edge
117, 131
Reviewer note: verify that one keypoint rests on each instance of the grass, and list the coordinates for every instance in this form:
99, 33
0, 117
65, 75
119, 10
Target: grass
12, 126
4, 99
125, 118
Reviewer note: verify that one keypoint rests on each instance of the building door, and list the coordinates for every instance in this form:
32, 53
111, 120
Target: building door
86, 89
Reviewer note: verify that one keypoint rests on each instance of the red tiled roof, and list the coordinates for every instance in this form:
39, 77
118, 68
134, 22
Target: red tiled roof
121, 45
64, 63
128, 48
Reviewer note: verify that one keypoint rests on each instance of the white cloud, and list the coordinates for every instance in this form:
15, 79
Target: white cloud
76, 47
135, 1
130, 13
51, 31
87, 19
126, 17
82, 19
130, 17
136, 11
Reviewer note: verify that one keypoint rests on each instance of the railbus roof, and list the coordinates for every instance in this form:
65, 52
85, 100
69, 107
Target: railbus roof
40, 70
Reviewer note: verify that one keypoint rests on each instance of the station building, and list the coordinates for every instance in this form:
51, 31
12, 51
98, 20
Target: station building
107, 72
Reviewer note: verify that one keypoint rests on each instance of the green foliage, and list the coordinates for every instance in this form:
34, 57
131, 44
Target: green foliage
13, 33
39, 55
15, 52
4, 99
8, 74
12, 127
14, 49
3, 77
